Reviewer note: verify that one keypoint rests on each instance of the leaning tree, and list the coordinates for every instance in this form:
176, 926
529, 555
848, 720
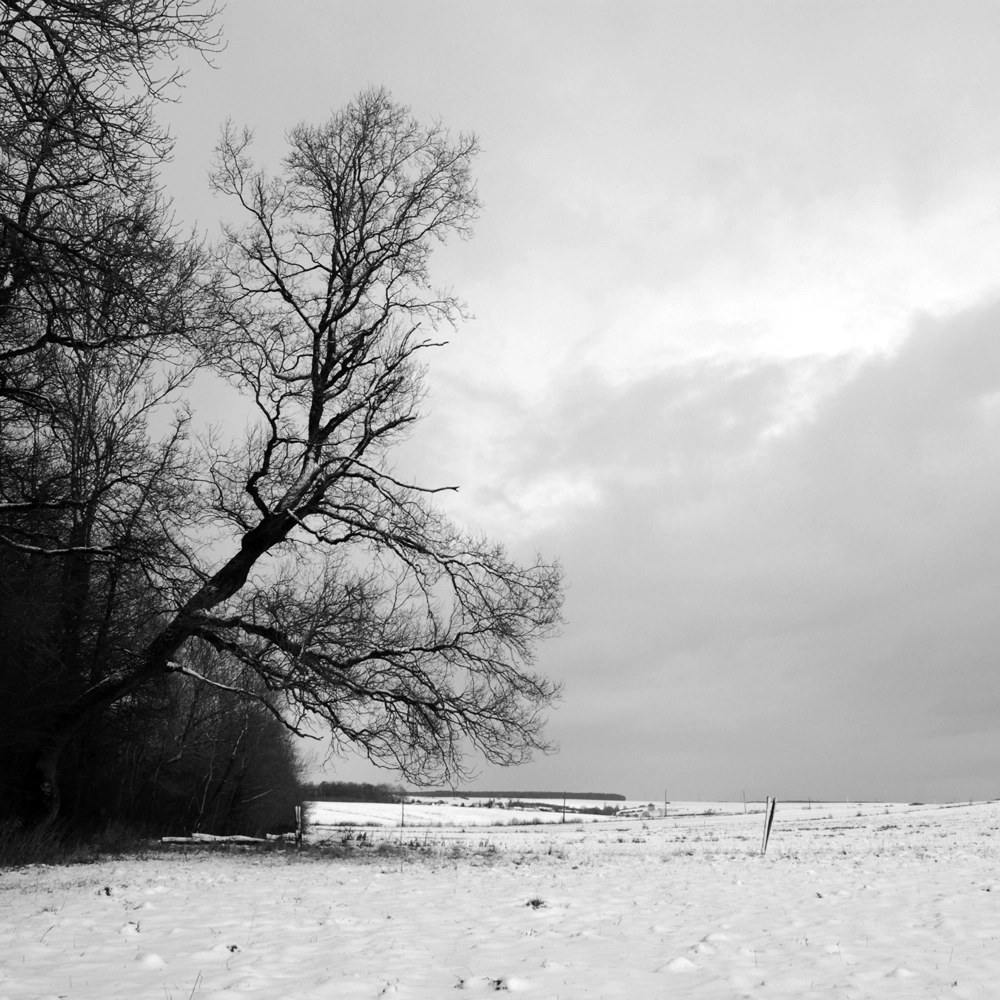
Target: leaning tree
345, 594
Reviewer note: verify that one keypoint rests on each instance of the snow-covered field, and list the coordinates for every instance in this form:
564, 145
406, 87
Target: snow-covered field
472, 811
900, 901
434, 812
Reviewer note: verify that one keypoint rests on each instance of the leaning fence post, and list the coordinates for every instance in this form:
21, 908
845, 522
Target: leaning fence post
768, 820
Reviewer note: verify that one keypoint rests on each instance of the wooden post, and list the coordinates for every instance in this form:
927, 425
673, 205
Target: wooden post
298, 826
744, 802
768, 820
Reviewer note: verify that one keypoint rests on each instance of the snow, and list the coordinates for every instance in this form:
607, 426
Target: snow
477, 811
421, 812
900, 901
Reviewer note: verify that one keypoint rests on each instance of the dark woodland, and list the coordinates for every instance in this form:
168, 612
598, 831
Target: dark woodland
351, 791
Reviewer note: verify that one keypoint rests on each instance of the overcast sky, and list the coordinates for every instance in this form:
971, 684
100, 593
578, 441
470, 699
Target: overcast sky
735, 361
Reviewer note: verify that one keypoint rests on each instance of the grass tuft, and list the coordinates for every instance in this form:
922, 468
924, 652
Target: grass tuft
21, 846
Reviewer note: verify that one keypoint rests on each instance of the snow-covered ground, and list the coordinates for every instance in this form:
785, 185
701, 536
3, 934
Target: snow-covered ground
434, 812
900, 901
498, 811
324, 819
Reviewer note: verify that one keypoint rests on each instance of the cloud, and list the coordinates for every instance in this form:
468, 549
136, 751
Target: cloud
816, 605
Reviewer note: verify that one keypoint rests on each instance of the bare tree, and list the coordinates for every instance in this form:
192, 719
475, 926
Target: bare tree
90, 507
348, 594
89, 261
83, 486
79, 86
103, 315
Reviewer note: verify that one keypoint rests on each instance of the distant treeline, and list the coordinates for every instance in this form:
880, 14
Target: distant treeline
448, 793
350, 791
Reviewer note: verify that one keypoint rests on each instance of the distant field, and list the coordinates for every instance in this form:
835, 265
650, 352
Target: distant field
320, 815
568, 796
460, 812
426, 811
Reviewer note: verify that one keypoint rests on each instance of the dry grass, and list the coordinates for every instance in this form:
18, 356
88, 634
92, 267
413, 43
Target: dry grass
21, 846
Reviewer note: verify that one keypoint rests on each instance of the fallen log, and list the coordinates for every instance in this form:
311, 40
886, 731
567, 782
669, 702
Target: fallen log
211, 838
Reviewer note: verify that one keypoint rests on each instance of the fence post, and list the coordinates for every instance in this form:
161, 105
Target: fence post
298, 826
768, 820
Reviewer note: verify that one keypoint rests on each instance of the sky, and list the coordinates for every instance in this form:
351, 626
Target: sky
734, 361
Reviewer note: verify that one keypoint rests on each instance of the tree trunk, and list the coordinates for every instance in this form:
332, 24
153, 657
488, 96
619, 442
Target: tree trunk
47, 802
